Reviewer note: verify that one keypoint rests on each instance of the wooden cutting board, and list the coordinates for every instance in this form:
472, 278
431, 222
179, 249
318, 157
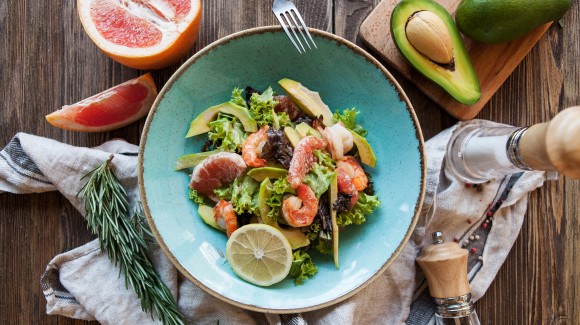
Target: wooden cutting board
493, 63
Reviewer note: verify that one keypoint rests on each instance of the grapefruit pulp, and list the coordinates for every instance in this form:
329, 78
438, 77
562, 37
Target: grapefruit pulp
111, 109
142, 34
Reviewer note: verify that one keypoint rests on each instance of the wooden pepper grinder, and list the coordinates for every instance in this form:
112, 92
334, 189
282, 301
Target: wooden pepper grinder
445, 267
478, 153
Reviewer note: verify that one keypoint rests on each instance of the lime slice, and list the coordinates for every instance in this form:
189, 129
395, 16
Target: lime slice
259, 254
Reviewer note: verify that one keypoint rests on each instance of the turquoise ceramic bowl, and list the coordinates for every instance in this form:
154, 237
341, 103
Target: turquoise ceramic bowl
346, 76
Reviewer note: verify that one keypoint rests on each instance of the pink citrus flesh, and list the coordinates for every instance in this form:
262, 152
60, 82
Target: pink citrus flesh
216, 171
109, 110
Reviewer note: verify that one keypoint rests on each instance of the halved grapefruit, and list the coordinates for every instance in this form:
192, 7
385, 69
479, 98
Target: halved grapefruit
111, 109
142, 34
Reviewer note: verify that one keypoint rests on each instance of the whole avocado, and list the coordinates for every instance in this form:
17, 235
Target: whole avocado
496, 21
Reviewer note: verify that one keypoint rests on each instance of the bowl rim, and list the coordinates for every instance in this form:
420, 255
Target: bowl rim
262, 30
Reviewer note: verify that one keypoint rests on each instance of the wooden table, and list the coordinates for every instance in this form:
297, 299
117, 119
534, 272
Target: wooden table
47, 60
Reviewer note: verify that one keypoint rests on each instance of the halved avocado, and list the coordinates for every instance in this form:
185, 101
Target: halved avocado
307, 100
458, 76
262, 173
295, 237
199, 125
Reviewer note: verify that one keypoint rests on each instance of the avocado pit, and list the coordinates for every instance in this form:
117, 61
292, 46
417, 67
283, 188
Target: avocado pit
430, 37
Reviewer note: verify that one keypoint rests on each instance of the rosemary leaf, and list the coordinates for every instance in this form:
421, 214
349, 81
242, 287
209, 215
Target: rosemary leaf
124, 238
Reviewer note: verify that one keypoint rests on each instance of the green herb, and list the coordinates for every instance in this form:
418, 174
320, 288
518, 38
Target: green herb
365, 205
124, 238
227, 133
262, 107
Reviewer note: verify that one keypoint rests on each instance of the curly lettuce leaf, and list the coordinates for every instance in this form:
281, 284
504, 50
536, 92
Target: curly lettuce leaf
302, 267
237, 97
280, 187
245, 196
227, 133
262, 107
196, 197
319, 179
348, 118
324, 159
365, 205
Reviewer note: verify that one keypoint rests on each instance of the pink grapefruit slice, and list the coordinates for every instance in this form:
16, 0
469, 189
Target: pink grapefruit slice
216, 171
111, 109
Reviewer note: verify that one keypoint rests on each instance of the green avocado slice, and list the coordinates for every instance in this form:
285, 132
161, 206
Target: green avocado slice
457, 78
207, 215
262, 173
365, 151
333, 196
307, 100
199, 125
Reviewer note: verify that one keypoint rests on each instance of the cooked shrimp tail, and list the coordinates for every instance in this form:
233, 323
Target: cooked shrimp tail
253, 146
299, 211
225, 216
303, 159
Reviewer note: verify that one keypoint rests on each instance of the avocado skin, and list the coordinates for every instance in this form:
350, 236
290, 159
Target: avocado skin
460, 81
496, 21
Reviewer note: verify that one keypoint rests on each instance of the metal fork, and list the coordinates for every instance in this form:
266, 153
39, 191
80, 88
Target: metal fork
290, 18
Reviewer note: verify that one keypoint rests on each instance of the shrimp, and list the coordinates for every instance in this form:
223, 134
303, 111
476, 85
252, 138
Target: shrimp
299, 211
225, 216
252, 148
303, 159
351, 178
340, 140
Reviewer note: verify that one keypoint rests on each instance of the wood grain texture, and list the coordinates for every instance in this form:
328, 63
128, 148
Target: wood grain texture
47, 61
493, 63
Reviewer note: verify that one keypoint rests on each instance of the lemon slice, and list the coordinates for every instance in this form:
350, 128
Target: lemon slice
259, 254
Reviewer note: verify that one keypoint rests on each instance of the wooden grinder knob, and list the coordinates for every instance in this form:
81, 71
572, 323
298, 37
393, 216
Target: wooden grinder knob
445, 267
554, 145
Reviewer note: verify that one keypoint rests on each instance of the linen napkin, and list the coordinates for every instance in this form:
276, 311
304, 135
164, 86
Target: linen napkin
84, 284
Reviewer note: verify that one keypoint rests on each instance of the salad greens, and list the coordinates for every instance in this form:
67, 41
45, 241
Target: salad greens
252, 200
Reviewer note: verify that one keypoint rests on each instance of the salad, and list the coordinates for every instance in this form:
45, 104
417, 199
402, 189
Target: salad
285, 161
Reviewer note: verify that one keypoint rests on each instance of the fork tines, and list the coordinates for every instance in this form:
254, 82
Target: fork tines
290, 19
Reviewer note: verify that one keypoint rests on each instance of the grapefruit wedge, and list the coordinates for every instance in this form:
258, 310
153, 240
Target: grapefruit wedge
142, 34
111, 109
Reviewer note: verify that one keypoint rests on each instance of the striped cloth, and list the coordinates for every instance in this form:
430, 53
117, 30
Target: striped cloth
83, 284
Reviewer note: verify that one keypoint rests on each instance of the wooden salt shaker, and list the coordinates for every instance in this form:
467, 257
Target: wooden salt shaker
478, 153
445, 267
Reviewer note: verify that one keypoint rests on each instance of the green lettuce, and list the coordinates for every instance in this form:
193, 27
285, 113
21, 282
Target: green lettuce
227, 133
237, 98
196, 197
262, 107
324, 159
245, 196
348, 118
302, 267
280, 187
362, 208
319, 179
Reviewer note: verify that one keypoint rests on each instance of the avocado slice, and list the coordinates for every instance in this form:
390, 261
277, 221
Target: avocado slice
207, 215
295, 237
304, 130
262, 173
193, 159
292, 136
199, 124
307, 100
365, 151
333, 196
422, 45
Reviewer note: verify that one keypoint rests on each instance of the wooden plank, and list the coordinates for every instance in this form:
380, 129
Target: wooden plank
492, 63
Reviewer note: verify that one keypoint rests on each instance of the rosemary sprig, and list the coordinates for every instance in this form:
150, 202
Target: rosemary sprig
125, 240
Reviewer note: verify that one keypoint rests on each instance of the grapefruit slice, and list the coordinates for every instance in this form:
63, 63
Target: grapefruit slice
216, 171
142, 34
111, 109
